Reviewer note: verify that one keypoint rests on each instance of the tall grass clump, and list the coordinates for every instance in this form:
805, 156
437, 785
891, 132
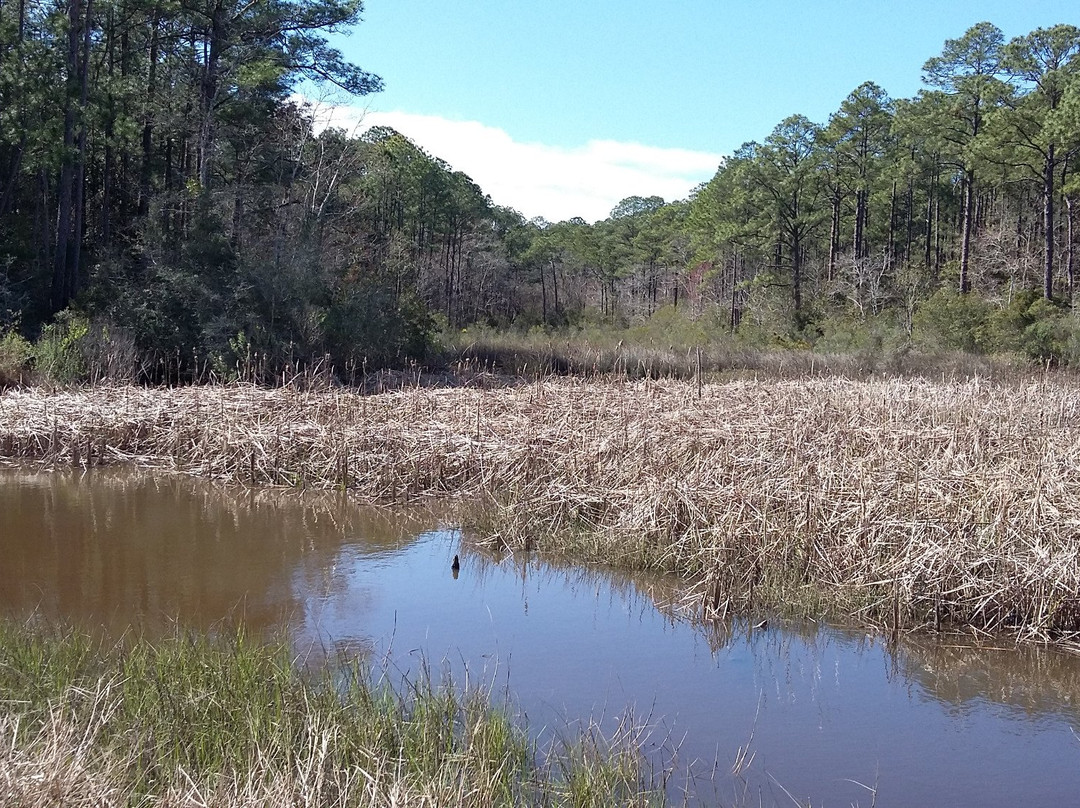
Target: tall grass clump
235, 722
15, 354
57, 354
71, 350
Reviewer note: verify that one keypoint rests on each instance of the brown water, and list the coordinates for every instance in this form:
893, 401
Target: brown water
825, 713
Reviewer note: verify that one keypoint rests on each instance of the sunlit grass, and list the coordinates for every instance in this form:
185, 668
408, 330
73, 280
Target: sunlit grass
672, 347
228, 722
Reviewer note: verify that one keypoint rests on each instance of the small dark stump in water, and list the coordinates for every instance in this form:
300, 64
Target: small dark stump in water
455, 567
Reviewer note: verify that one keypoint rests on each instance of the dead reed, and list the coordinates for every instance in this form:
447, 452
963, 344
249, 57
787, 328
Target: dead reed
902, 502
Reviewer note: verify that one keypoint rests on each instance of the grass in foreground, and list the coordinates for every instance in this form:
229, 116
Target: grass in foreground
194, 722
902, 502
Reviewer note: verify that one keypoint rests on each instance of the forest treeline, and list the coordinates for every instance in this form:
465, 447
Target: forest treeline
170, 211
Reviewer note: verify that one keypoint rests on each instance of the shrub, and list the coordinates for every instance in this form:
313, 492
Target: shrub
1034, 327
669, 326
878, 341
58, 357
15, 355
1045, 336
950, 321
369, 324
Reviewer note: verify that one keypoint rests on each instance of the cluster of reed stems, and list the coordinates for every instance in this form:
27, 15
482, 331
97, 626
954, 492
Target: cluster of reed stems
189, 721
897, 501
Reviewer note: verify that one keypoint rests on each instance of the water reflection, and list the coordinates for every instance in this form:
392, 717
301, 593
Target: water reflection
1032, 679
113, 548
799, 710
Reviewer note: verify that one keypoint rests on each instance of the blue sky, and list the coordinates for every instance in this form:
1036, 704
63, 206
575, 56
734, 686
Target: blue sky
560, 108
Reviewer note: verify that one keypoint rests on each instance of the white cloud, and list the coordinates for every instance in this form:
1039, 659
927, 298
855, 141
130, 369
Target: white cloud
539, 180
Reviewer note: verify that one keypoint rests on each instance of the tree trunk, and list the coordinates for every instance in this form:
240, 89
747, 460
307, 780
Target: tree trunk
554, 288
734, 321
237, 219
891, 240
937, 237
966, 228
834, 236
1070, 247
1048, 224
909, 235
208, 89
543, 294
65, 191
43, 235
7, 192
108, 167
796, 273
146, 170
927, 259
80, 168
448, 282
859, 240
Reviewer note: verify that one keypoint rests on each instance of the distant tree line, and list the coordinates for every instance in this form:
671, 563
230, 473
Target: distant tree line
165, 201
970, 186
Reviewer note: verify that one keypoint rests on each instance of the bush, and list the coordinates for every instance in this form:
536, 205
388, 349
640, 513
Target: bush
670, 326
58, 357
845, 335
1035, 328
369, 325
871, 344
950, 321
1045, 336
15, 355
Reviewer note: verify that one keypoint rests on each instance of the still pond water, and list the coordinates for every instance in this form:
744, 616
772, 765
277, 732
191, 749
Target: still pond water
824, 713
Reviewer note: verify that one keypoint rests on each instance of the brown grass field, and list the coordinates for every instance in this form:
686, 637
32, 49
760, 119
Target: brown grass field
900, 503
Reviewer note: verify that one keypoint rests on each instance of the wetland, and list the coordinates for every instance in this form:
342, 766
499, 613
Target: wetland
748, 592
751, 709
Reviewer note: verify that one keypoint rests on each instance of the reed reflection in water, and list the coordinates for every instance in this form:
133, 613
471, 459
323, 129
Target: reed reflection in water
118, 549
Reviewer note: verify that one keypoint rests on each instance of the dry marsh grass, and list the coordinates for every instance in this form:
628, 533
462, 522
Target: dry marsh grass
905, 503
663, 352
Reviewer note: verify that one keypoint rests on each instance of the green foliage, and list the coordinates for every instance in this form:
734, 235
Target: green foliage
58, 354
207, 253
768, 320
15, 355
669, 326
1029, 325
877, 335
1047, 336
1034, 328
950, 321
636, 206
237, 362
368, 325
219, 210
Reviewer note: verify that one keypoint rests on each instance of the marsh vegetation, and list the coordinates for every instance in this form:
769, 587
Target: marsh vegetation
905, 503
235, 721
